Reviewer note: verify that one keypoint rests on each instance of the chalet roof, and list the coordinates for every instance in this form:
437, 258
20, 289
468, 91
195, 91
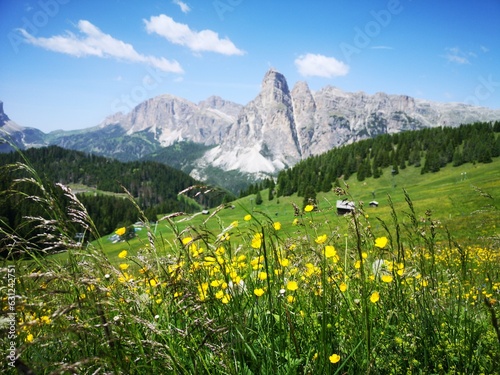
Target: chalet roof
345, 205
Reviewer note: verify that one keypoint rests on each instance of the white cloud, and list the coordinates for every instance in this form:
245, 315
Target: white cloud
197, 41
184, 7
455, 55
94, 42
320, 66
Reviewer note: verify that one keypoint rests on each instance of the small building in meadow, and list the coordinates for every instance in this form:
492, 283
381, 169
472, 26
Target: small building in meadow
344, 207
373, 204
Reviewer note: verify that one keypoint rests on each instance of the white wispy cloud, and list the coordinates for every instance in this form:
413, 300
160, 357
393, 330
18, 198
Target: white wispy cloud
484, 49
457, 56
321, 66
184, 7
93, 42
197, 41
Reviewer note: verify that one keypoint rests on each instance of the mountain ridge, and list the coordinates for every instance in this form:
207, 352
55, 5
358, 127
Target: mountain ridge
275, 130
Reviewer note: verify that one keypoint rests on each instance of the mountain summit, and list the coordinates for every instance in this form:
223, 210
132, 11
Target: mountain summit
281, 127
264, 136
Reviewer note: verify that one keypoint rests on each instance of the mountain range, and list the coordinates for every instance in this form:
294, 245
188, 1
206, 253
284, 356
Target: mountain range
273, 131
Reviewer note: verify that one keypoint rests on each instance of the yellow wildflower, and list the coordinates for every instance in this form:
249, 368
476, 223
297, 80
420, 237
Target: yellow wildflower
262, 276
284, 262
121, 231
381, 242
247, 217
124, 266
375, 297
334, 358
277, 225
29, 338
123, 254
258, 292
321, 239
292, 286
219, 294
309, 208
343, 287
386, 278
330, 251
256, 241
186, 240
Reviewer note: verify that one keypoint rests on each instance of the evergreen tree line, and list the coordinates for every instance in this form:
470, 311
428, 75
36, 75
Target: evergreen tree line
153, 186
430, 149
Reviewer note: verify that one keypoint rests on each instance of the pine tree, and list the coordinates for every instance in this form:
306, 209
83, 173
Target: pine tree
309, 196
271, 194
258, 198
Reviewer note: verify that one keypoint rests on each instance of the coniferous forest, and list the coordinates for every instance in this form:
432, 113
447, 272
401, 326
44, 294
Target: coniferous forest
430, 149
154, 188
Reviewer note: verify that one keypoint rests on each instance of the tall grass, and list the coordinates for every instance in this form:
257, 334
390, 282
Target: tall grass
248, 298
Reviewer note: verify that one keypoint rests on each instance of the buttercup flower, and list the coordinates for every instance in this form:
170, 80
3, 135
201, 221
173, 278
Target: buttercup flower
381, 242
121, 231
256, 240
321, 239
186, 240
386, 278
309, 208
334, 358
247, 217
277, 225
375, 297
292, 286
123, 254
258, 292
330, 251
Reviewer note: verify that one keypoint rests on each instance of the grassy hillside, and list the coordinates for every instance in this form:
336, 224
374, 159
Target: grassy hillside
258, 290
464, 199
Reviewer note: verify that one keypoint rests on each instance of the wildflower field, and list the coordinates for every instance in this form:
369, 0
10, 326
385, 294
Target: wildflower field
306, 293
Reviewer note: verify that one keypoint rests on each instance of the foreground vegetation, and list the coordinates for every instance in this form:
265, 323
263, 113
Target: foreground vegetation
308, 292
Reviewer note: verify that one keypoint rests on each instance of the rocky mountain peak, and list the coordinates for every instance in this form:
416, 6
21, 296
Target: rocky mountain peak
218, 104
274, 88
3, 117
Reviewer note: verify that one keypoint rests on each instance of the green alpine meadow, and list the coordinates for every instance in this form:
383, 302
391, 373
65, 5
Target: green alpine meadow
378, 257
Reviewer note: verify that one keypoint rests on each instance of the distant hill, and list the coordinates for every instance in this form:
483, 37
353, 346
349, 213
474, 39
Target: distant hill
154, 186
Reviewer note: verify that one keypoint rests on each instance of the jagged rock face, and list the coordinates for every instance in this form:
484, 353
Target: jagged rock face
224, 107
3, 117
19, 136
279, 127
172, 119
304, 109
264, 137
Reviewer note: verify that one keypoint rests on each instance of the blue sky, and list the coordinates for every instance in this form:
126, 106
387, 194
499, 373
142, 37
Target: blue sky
67, 64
